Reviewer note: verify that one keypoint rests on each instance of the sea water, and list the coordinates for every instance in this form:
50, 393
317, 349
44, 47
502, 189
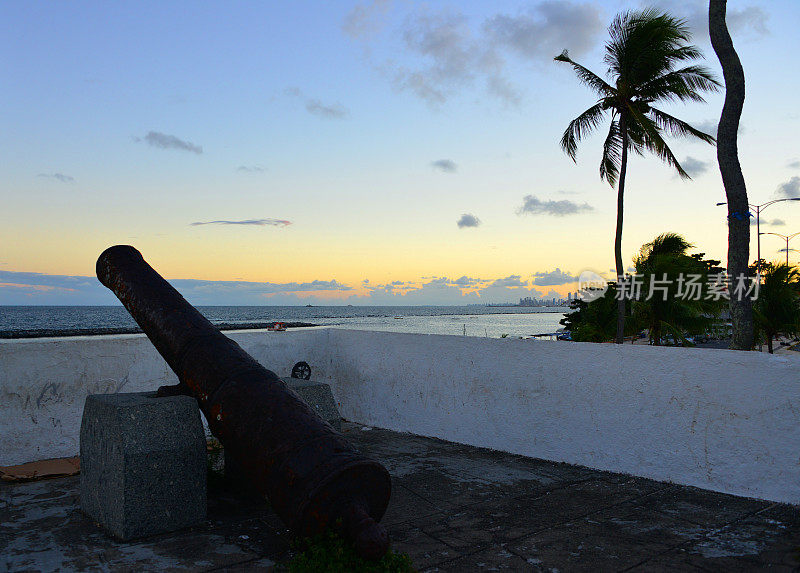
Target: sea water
470, 320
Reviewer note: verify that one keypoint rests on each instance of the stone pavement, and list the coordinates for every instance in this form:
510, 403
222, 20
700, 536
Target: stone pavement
453, 508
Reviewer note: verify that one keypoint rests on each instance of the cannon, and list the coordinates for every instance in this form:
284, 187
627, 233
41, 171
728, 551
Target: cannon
313, 477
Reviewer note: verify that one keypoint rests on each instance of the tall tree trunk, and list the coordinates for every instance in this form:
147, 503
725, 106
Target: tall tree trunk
728, 157
623, 127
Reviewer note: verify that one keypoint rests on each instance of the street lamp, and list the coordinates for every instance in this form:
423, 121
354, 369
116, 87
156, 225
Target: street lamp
786, 238
758, 209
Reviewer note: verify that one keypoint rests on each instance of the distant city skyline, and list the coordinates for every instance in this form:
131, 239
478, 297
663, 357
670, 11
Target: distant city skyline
378, 152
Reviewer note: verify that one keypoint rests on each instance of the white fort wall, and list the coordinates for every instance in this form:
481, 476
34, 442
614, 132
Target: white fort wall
722, 420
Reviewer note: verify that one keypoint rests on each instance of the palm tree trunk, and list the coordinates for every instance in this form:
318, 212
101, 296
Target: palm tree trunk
618, 239
741, 307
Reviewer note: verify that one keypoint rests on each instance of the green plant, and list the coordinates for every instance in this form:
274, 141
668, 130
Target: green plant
214, 462
777, 308
330, 553
646, 57
674, 310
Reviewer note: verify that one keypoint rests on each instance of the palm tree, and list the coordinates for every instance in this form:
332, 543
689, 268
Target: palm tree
644, 57
675, 307
777, 308
731, 170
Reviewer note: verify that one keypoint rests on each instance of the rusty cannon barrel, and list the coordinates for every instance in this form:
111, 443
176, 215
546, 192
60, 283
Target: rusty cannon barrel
313, 477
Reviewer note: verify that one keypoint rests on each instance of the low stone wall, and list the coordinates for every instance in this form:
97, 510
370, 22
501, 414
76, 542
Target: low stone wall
716, 419
44, 381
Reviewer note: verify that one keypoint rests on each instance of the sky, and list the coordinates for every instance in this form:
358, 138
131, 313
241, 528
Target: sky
354, 152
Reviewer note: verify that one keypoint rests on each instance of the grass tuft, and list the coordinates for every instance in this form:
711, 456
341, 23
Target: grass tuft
328, 552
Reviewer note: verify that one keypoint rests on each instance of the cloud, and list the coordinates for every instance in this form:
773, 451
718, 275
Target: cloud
790, 188
503, 90
333, 111
21, 288
366, 20
59, 177
166, 141
534, 206
37, 288
768, 222
250, 169
466, 281
256, 222
468, 220
748, 21
695, 167
708, 126
444, 51
553, 278
24, 288
510, 281
445, 165
316, 107
794, 164
546, 29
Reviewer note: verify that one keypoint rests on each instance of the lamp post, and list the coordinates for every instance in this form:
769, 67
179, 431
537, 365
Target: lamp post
758, 209
786, 238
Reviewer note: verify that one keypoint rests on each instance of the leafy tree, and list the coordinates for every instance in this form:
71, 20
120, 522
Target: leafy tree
596, 320
731, 170
675, 297
777, 308
647, 56
762, 264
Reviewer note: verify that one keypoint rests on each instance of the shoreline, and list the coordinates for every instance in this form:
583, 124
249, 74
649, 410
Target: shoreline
64, 332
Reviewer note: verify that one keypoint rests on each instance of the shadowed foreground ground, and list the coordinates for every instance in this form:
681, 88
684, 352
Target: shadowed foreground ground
453, 508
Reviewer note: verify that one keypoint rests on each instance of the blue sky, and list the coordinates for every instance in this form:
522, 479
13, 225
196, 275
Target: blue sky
388, 152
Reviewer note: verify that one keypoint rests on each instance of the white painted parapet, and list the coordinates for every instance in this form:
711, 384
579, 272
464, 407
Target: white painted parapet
717, 419
44, 382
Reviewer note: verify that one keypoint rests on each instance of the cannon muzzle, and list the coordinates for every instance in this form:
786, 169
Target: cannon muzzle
313, 477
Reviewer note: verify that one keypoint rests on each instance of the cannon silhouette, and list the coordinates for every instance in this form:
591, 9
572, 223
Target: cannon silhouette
313, 477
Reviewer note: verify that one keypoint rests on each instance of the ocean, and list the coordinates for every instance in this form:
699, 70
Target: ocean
492, 322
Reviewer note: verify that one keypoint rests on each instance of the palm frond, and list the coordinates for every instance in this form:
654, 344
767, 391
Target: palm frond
636, 137
654, 143
612, 154
666, 243
644, 44
684, 84
586, 76
678, 127
582, 125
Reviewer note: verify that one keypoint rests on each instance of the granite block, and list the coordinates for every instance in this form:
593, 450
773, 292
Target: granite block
318, 395
143, 463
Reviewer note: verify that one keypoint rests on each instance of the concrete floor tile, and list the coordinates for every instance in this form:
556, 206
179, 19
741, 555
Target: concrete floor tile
453, 508
583, 547
703, 507
491, 559
424, 550
405, 506
194, 551
632, 521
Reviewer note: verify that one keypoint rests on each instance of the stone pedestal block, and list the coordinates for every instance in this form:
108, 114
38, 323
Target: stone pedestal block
143, 463
318, 395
